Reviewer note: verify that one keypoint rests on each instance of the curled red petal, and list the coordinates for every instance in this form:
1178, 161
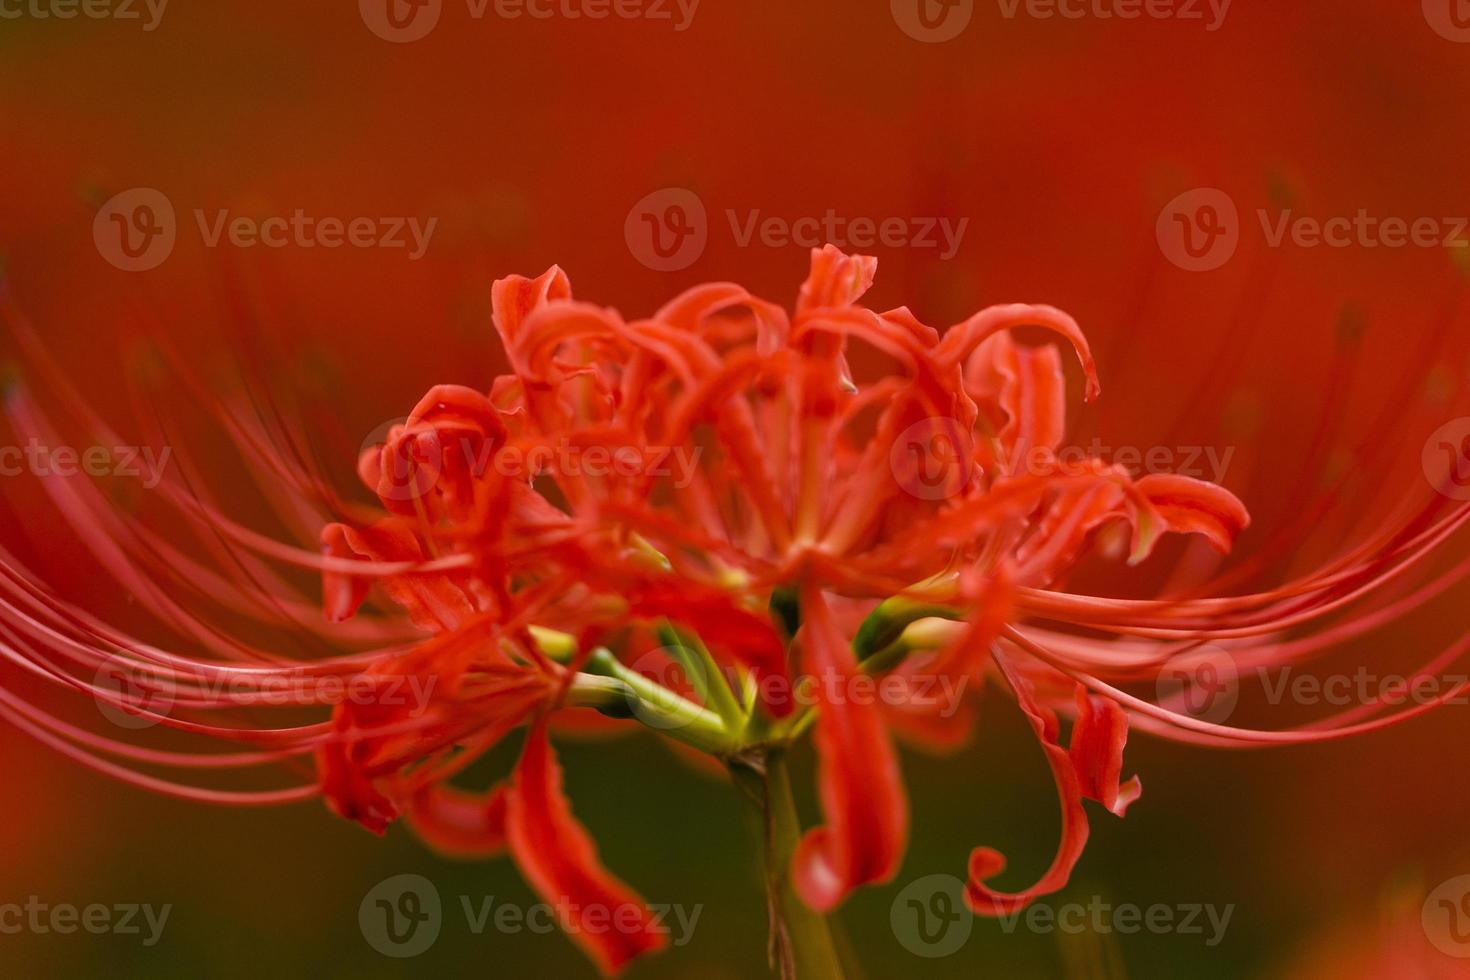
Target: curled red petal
963, 338
860, 787
604, 916
836, 279
459, 823
986, 862
515, 298
433, 601
384, 750
1194, 506
1027, 384
342, 595
1097, 744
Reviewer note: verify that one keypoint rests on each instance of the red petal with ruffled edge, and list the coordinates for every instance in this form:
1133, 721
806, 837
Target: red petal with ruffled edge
514, 298
836, 279
861, 789
560, 861
383, 751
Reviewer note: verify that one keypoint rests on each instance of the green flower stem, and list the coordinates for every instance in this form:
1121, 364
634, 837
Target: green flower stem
661, 709
801, 945
705, 673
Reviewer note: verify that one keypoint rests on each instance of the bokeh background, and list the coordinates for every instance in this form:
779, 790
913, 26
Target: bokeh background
1059, 140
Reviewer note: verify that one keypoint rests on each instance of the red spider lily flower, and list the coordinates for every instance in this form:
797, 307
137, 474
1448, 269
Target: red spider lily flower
790, 509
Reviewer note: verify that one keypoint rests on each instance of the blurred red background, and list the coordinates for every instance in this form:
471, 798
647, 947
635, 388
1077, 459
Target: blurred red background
1058, 140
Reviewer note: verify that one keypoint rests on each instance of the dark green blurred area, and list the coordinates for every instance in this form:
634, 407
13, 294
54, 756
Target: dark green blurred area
276, 893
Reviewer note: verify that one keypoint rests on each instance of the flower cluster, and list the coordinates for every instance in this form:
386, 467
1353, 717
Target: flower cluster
838, 525
849, 511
